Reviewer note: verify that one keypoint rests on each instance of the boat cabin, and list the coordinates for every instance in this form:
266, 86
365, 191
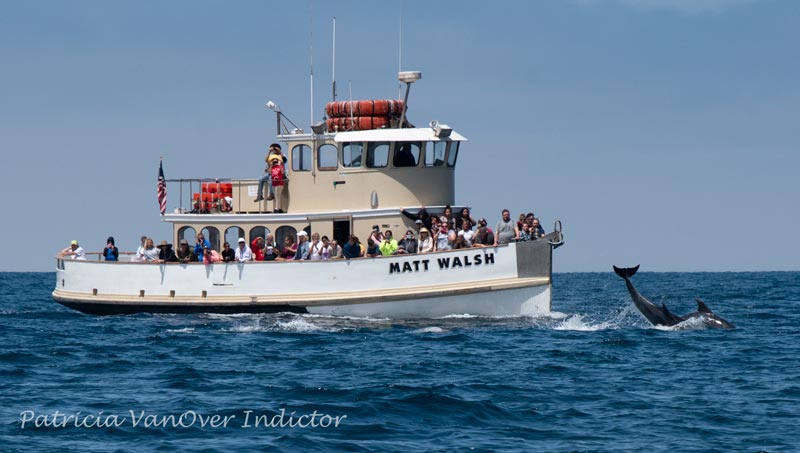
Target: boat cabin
338, 183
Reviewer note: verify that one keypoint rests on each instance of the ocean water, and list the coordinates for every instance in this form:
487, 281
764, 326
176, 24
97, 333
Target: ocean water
594, 376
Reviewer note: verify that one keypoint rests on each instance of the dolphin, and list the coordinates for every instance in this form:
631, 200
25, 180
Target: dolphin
661, 315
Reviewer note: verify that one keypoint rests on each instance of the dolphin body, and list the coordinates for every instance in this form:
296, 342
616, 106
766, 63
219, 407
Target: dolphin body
661, 315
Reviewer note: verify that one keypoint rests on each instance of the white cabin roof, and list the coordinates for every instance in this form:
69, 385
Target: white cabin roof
396, 135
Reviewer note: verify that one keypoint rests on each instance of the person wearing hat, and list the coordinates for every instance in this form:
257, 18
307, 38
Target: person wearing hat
185, 254
277, 178
302, 246
408, 244
425, 243
274, 152
166, 254
74, 250
111, 252
243, 252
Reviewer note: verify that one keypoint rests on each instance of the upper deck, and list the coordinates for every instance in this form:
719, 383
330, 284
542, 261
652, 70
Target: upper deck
356, 171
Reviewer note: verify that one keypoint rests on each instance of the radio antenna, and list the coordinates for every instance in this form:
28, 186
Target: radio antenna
311, 58
400, 53
333, 71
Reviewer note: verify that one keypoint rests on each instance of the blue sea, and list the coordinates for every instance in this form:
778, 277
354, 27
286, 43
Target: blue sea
594, 376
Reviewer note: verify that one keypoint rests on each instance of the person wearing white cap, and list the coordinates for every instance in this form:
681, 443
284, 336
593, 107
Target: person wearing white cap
243, 252
302, 246
74, 250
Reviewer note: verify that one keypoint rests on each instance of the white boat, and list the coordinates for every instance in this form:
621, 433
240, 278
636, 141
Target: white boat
340, 182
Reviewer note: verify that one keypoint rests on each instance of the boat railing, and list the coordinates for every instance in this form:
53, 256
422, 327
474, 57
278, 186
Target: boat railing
211, 195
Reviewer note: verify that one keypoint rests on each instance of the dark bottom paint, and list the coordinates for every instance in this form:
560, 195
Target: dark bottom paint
125, 309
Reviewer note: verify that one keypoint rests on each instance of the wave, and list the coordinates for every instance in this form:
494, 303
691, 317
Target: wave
577, 323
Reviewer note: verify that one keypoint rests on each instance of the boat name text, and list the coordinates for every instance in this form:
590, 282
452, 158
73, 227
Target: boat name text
444, 263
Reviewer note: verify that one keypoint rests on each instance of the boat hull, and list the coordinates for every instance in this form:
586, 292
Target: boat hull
495, 281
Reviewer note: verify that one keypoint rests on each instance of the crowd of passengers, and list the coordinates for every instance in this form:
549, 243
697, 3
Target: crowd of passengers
431, 233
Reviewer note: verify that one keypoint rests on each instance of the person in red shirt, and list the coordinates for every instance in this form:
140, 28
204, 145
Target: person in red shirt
278, 181
257, 246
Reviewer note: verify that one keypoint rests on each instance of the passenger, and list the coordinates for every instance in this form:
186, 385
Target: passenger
184, 253
483, 238
274, 149
352, 249
336, 250
376, 235
525, 233
74, 250
464, 216
257, 247
211, 256
466, 231
278, 178
315, 248
326, 248
372, 249
441, 242
536, 228
228, 254
150, 251
166, 254
271, 249
243, 252
506, 230
421, 217
408, 244
460, 243
403, 156
139, 256
520, 221
389, 244
200, 245
482, 223
289, 248
448, 214
303, 252
111, 252
434, 225
425, 244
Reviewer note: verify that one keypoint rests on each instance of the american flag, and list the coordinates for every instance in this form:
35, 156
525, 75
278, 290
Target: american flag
162, 189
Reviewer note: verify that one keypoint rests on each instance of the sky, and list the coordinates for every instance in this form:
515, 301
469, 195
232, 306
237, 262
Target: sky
663, 133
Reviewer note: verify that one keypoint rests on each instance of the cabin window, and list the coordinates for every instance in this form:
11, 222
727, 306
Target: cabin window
301, 158
453, 154
187, 233
212, 234
327, 157
377, 154
406, 154
258, 232
435, 157
232, 235
282, 233
351, 154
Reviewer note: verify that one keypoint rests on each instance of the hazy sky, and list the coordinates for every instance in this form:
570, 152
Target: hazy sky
661, 132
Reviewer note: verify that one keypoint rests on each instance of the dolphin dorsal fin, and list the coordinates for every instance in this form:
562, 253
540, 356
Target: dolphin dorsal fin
702, 307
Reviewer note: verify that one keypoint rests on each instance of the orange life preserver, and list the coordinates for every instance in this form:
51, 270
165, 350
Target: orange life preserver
357, 123
379, 107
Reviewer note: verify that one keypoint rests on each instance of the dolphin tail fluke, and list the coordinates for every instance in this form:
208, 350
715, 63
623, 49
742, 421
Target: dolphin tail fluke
626, 272
702, 307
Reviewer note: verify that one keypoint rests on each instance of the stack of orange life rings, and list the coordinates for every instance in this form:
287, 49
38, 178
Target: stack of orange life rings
362, 115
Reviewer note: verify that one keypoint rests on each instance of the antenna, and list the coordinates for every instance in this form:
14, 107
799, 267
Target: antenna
311, 57
400, 53
333, 72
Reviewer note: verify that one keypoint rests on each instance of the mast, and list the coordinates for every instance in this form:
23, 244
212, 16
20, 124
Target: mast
333, 71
